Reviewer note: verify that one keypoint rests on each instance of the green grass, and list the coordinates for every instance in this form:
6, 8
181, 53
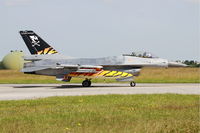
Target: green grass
169, 75
167, 113
148, 75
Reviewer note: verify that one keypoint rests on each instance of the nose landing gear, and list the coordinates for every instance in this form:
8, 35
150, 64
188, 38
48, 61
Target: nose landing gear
86, 83
132, 84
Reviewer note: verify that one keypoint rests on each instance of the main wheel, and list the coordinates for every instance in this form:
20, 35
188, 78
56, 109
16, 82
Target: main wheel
86, 83
132, 84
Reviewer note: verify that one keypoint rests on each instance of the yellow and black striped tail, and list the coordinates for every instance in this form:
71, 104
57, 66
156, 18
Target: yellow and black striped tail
36, 44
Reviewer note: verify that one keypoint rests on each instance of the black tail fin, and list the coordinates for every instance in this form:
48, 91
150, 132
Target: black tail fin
36, 44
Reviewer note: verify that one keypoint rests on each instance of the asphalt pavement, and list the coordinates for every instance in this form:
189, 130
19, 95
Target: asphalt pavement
33, 91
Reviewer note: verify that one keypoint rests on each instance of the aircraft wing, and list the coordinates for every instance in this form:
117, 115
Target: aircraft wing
33, 69
59, 67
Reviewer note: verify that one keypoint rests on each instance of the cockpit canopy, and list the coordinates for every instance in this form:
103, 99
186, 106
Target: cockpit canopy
141, 54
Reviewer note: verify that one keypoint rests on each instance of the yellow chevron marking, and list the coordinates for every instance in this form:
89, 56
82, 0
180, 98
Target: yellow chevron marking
46, 50
40, 52
124, 74
103, 73
111, 74
130, 75
52, 51
118, 74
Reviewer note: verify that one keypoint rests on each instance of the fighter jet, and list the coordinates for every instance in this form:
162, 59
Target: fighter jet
45, 60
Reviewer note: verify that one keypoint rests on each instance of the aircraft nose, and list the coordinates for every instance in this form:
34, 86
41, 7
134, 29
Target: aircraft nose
176, 64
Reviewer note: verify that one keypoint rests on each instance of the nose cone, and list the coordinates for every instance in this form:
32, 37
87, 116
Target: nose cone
176, 64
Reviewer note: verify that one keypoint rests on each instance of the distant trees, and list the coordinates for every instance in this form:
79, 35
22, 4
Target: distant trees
191, 63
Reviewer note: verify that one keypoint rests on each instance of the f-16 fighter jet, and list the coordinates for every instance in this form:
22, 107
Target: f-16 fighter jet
45, 60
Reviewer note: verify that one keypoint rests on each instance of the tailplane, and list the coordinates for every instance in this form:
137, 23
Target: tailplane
36, 44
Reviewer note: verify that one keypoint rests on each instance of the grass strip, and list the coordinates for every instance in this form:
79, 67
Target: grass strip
102, 114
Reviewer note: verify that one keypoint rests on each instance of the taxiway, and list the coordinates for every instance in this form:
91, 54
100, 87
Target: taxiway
33, 91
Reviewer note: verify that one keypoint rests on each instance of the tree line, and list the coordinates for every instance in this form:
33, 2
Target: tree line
191, 63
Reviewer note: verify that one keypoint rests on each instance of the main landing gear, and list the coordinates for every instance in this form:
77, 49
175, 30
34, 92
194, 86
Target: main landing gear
132, 84
86, 83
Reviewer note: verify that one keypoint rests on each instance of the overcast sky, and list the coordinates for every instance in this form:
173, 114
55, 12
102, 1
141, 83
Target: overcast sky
98, 28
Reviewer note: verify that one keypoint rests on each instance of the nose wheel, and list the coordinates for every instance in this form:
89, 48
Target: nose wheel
132, 84
86, 83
